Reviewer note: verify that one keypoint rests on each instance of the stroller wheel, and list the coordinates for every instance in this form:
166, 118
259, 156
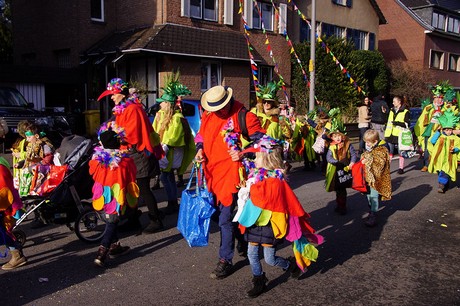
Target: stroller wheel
20, 236
90, 226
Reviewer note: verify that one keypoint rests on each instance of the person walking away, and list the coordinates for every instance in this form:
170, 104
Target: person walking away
141, 141
445, 151
379, 115
175, 136
266, 205
376, 161
398, 120
364, 118
115, 190
218, 146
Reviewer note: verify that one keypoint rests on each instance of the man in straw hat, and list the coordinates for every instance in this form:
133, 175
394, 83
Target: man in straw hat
219, 149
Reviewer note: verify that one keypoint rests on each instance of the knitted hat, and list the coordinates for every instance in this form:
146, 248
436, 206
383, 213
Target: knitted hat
115, 86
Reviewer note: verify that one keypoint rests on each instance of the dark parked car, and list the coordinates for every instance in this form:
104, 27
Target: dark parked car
415, 113
15, 108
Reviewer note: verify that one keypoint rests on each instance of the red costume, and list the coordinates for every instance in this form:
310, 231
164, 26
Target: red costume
222, 174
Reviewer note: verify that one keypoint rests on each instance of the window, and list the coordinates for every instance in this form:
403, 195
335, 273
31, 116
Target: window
346, 3
304, 31
454, 62
210, 75
266, 10
438, 21
358, 37
453, 25
63, 58
436, 59
203, 9
332, 30
265, 74
97, 10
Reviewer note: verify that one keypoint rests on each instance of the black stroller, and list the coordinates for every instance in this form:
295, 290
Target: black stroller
70, 202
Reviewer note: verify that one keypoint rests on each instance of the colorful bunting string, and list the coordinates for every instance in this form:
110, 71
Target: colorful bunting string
325, 47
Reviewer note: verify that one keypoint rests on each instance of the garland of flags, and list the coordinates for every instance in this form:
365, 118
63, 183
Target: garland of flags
328, 50
270, 52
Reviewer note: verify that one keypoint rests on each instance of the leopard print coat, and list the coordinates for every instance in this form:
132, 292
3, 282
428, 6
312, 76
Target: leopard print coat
377, 171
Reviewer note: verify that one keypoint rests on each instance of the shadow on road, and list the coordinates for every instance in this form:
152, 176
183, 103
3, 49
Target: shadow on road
347, 236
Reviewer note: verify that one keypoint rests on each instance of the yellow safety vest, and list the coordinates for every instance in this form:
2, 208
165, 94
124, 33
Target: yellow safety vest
391, 130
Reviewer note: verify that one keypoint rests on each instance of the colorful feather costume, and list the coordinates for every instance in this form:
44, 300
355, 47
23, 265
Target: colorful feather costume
267, 198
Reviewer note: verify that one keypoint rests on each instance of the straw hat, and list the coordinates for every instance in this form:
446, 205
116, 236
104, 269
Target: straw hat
216, 98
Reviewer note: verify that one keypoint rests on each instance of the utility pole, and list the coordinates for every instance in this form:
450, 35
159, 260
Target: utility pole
311, 65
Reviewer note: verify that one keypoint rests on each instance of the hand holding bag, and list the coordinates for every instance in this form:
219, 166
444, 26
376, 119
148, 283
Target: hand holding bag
405, 141
195, 210
359, 181
343, 178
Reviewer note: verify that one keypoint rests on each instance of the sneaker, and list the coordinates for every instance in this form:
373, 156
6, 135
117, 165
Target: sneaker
424, 169
223, 269
101, 256
294, 269
441, 188
400, 171
116, 249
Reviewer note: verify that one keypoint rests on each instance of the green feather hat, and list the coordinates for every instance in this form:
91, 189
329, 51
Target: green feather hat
337, 125
268, 92
172, 88
448, 120
440, 89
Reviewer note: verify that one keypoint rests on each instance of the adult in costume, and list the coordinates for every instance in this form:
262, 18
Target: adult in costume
176, 137
219, 149
142, 142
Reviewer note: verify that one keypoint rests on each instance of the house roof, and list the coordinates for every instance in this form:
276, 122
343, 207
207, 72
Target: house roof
448, 4
176, 39
376, 7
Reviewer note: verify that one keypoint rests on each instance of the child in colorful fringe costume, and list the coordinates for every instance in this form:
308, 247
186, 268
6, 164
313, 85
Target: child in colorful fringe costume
446, 146
269, 211
115, 189
303, 138
376, 161
19, 150
427, 124
175, 135
10, 208
340, 156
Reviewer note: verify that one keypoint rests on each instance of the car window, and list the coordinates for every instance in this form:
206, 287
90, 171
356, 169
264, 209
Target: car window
188, 110
11, 97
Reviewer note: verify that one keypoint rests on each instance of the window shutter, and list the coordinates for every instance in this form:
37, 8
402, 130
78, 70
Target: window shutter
282, 18
334, 1
349, 2
228, 12
371, 41
248, 8
185, 8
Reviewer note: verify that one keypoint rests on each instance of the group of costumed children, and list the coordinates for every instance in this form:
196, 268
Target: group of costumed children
437, 132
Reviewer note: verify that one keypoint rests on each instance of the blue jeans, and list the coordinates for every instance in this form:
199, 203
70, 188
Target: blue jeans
362, 146
111, 235
169, 182
269, 256
227, 231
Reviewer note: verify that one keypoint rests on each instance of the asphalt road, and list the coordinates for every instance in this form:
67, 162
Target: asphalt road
410, 258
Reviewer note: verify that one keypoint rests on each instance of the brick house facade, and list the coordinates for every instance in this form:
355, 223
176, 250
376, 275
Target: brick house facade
414, 35
137, 40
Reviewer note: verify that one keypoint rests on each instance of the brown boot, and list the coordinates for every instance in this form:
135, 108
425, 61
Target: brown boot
17, 259
101, 256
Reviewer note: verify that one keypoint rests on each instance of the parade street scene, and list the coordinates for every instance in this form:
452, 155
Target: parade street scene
230, 152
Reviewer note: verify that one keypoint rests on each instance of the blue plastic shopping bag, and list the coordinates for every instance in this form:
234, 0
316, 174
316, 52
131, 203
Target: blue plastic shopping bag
196, 209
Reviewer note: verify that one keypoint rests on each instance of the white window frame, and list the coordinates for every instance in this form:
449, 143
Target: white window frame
340, 32
454, 62
186, 10
207, 67
433, 55
453, 25
438, 21
102, 19
247, 12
